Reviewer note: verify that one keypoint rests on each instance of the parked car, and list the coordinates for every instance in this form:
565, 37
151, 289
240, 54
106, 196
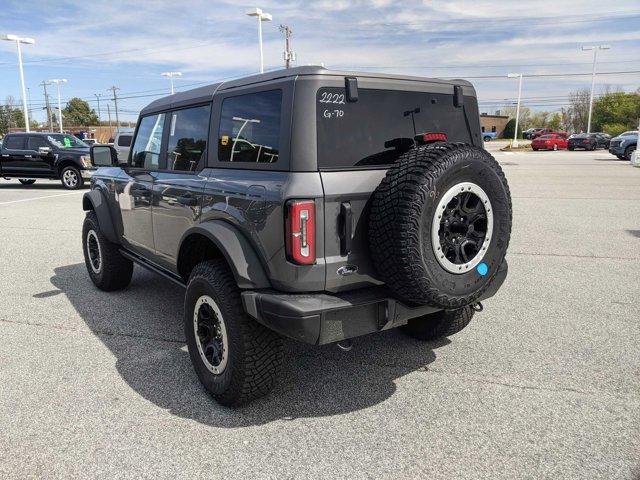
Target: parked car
122, 143
32, 156
623, 145
488, 136
604, 139
90, 141
550, 141
586, 141
301, 230
529, 132
548, 131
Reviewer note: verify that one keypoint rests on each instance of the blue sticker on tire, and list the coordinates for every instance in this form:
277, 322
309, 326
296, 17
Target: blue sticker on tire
482, 269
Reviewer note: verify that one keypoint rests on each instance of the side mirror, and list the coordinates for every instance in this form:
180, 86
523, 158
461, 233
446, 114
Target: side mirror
103, 156
44, 151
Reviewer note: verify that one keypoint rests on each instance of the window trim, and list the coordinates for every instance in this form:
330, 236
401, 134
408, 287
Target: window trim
163, 145
165, 139
286, 115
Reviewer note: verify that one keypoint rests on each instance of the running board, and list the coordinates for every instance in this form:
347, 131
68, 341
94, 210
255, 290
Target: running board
138, 260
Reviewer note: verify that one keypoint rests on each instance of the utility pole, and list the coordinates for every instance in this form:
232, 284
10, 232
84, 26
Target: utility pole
115, 101
98, 95
289, 55
109, 113
46, 102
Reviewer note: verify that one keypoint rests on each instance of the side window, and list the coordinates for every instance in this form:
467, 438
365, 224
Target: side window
250, 128
14, 142
35, 143
188, 132
124, 140
145, 152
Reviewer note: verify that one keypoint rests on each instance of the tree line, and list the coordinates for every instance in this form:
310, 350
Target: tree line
613, 113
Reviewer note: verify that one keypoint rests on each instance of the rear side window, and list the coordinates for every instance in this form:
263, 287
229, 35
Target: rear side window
124, 140
145, 152
381, 125
250, 128
15, 142
188, 132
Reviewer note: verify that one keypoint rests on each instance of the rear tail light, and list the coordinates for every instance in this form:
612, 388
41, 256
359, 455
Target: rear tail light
434, 137
300, 231
585, 141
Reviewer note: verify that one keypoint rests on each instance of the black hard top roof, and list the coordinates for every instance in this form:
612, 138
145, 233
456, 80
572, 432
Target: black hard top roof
205, 94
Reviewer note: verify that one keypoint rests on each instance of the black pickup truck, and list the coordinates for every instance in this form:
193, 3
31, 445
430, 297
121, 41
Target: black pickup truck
32, 156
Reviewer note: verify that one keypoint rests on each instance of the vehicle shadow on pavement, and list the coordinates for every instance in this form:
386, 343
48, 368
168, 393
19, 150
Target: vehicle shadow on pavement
142, 327
37, 186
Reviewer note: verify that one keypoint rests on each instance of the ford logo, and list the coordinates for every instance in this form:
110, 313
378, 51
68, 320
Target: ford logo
346, 270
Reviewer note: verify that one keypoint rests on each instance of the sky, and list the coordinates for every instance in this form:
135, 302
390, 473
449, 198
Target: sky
128, 44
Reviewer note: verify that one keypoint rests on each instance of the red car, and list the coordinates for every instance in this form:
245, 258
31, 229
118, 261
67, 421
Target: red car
546, 131
550, 141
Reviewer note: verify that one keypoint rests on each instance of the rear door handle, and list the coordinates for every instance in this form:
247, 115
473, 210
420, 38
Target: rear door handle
346, 228
187, 200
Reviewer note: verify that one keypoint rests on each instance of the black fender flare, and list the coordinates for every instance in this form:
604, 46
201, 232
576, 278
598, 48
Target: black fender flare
245, 264
94, 200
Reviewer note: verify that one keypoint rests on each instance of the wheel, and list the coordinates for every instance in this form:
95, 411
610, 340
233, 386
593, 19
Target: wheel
534, 149
71, 178
620, 157
440, 224
108, 269
629, 150
440, 324
235, 358
487, 139
570, 149
555, 147
26, 181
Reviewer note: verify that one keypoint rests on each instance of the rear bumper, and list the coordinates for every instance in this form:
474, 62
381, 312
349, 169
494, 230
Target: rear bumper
321, 318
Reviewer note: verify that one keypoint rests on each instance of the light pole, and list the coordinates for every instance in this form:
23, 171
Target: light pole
262, 17
595, 49
27, 41
170, 76
58, 81
515, 133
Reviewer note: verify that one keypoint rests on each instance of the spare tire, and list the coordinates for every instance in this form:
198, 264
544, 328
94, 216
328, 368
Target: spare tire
440, 224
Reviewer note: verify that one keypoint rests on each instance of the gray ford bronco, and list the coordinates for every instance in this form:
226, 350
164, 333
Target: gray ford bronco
306, 203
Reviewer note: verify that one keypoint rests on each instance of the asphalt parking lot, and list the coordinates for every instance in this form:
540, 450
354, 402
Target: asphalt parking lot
545, 383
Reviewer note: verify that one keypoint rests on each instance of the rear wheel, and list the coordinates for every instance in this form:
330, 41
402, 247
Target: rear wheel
26, 181
440, 324
235, 358
71, 178
440, 224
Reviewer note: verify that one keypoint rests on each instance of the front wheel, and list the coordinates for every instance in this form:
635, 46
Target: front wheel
236, 358
26, 181
71, 178
108, 269
440, 324
627, 153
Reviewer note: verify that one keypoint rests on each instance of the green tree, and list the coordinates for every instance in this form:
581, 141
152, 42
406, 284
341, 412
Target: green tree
510, 128
555, 121
616, 111
78, 113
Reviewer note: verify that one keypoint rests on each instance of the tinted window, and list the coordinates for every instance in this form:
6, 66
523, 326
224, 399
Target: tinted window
124, 140
188, 132
382, 124
250, 128
146, 148
35, 143
15, 142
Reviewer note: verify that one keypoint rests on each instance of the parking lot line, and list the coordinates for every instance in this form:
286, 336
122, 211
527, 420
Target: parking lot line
39, 198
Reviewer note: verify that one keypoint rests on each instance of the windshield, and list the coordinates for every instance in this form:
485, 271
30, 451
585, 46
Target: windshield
66, 141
